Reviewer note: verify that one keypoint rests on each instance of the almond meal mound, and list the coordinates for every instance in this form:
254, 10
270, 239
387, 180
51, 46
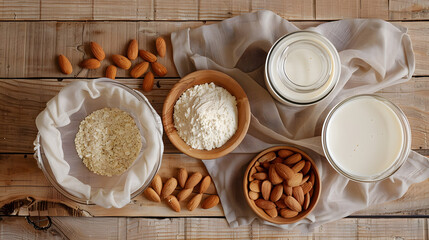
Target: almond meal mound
108, 141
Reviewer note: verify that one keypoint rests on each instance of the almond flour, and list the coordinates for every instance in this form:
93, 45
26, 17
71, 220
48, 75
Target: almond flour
205, 116
108, 141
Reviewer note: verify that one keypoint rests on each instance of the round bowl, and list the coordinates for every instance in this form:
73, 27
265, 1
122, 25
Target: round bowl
259, 160
77, 168
197, 78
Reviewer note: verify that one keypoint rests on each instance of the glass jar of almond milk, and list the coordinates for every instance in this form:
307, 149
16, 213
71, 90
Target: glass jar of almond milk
302, 68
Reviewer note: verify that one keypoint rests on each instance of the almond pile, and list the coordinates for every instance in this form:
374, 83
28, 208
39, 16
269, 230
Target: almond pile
123, 62
164, 191
281, 183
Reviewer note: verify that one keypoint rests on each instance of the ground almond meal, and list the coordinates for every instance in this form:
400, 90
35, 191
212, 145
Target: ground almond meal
108, 141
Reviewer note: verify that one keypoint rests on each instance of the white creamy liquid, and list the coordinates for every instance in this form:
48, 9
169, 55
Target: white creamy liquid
364, 136
304, 66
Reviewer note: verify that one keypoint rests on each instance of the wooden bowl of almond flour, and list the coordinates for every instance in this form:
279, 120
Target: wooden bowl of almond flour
200, 117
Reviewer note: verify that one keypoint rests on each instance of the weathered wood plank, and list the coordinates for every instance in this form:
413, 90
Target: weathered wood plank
19, 9
408, 9
66, 10
337, 9
289, 9
30, 49
207, 228
374, 9
21, 100
120, 10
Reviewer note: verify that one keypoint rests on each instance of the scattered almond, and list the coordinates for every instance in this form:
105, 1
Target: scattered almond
150, 194
255, 185
182, 176
157, 184
266, 189
284, 171
292, 203
210, 202
293, 159
64, 64
271, 212
133, 49
205, 183
148, 82
111, 72
298, 194
147, 56
169, 187
173, 203
139, 69
97, 51
184, 194
264, 204
193, 180
267, 157
121, 61
284, 153
287, 213
90, 63
260, 176
194, 202
276, 193
253, 195
161, 46
158, 69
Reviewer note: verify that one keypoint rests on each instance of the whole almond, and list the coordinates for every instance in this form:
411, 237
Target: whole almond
306, 187
193, 180
184, 194
293, 204
97, 51
194, 202
161, 46
277, 160
90, 63
306, 201
205, 183
255, 185
273, 176
157, 184
267, 157
139, 69
287, 213
264, 204
210, 202
147, 56
284, 171
287, 189
298, 166
311, 192
276, 193
158, 69
281, 203
295, 180
293, 159
64, 64
260, 176
133, 49
306, 167
298, 194
272, 212
182, 176
312, 178
121, 61
111, 72
260, 169
150, 194
284, 153
266, 164
148, 82
169, 187
253, 195
173, 203
266, 189
304, 179
251, 172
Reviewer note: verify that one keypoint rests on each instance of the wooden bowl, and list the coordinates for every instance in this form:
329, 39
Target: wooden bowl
197, 78
313, 199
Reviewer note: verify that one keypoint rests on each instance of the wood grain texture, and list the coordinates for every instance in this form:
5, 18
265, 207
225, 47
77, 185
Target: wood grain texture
408, 9
21, 100
288, 9
337, 9
219, 10
20, 9
206, 228
374, 9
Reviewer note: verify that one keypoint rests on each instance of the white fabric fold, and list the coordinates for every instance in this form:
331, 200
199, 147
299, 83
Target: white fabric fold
374, 54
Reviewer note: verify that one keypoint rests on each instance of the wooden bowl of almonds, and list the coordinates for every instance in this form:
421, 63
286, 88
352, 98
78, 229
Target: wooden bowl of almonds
282, 185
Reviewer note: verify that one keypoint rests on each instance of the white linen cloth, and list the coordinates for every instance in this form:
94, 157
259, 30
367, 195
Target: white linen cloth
374, 54
59, 122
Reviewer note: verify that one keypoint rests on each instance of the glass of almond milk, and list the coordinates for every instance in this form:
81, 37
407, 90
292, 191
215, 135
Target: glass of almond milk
366, 138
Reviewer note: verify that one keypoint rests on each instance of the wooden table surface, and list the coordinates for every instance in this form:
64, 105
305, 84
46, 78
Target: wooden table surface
34, 32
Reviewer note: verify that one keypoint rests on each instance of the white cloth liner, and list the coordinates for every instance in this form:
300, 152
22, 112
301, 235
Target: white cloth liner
58, 125
374, 54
